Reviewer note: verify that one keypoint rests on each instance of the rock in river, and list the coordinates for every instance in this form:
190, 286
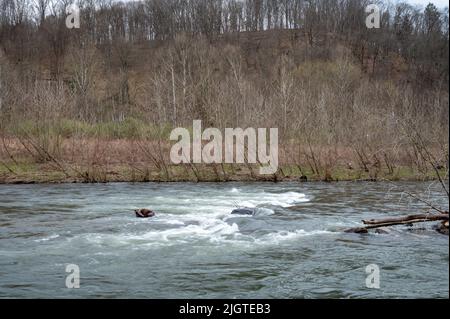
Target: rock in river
244, 211
144, 213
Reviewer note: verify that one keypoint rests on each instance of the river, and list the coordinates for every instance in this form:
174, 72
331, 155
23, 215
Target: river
293, 247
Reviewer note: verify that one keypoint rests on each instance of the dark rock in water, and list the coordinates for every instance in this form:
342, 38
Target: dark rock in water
358, 230
144, 213
243, 211
443, 228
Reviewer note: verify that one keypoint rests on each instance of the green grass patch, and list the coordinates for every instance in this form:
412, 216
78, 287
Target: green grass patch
19, 168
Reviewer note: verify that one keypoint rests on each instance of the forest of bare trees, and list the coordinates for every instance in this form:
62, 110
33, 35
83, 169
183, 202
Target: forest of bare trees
345, 97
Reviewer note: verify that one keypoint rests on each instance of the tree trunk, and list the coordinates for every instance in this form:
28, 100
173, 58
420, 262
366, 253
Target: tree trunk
406, 220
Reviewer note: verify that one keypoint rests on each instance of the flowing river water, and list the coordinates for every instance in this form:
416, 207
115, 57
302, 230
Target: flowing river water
294, 247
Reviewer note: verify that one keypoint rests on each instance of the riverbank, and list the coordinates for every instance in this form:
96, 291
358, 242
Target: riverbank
35, 173
40, 159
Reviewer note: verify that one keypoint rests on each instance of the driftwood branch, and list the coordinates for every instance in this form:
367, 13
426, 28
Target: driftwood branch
406, 220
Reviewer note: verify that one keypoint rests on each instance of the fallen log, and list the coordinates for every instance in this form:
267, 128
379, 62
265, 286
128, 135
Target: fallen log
408, 219
405, 220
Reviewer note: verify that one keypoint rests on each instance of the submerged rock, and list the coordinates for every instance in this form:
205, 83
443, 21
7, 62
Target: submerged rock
144, 213
381, 231
244, 211
358, 230
443, 228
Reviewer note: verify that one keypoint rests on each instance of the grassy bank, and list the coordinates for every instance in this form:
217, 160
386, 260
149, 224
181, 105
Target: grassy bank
35, 173
69, 151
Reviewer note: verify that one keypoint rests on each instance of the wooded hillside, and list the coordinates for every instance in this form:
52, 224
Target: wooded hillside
343, 96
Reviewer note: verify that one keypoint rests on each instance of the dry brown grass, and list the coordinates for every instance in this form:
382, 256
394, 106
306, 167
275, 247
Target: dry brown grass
125, 160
